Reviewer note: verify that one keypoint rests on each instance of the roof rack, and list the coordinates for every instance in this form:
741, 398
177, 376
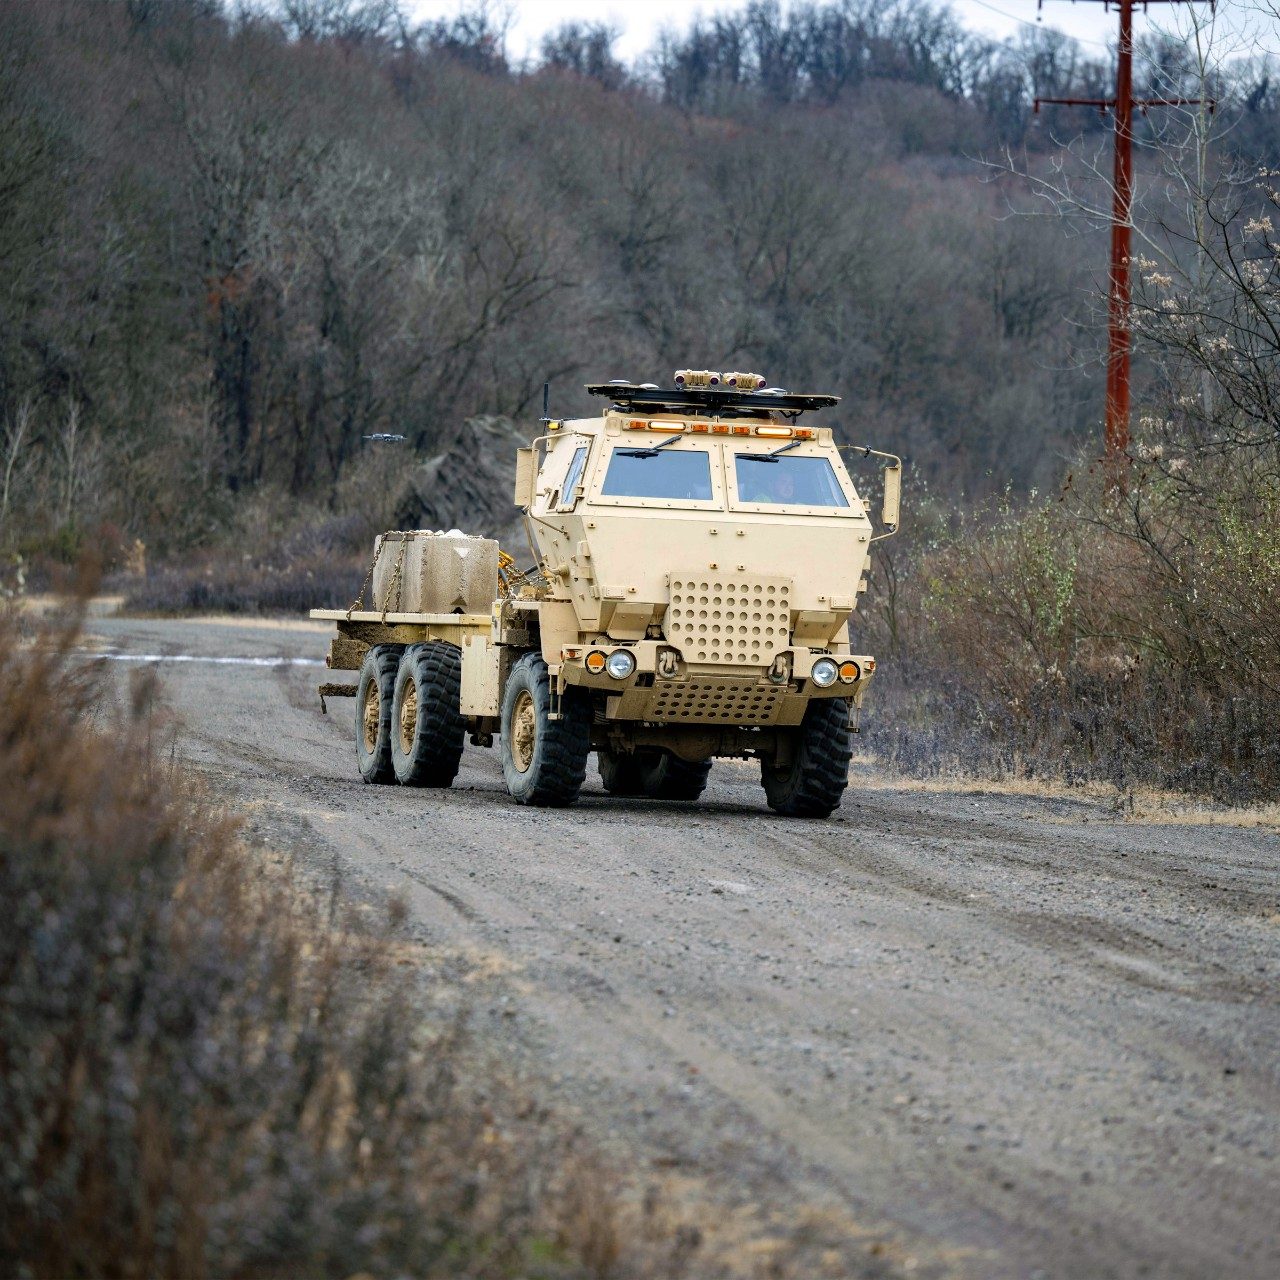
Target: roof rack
724, 400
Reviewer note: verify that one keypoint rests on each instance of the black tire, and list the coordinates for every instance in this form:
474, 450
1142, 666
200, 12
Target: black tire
622, 772
427, 728
553, 753
812, 784
670, 778
374, 693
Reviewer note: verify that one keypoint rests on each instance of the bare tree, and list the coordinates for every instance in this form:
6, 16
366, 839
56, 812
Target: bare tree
15, 443
350, 21
78, 455
586, 49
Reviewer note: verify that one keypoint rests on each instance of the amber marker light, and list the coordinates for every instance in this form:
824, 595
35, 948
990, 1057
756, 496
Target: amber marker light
849, 672
742, 431
595, 662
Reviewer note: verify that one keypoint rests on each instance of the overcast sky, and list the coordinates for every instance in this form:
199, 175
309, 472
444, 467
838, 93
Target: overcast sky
641, 20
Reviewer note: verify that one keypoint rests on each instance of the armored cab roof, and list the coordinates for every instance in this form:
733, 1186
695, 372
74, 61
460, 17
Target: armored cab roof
726, 402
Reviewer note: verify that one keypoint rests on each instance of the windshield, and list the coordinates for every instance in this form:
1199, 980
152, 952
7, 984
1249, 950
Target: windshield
665, 473
792, 482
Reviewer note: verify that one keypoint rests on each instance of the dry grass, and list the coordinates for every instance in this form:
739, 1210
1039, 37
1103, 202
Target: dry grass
1142, 805
44, 603
206, 1071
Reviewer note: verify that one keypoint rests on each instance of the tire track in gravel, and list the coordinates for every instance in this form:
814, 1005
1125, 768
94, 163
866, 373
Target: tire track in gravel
1006, 1036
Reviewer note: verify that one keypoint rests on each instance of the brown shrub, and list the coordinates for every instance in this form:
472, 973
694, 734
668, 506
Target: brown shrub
208, 1073
1126, 640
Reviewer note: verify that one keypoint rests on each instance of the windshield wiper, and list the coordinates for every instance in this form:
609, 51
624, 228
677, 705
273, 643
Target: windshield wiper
646, 453
768, 457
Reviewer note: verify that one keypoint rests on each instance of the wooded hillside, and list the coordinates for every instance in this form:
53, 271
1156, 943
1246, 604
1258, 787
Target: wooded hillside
236, 239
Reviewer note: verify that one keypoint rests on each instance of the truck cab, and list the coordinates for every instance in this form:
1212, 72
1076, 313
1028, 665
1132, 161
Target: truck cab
703, 554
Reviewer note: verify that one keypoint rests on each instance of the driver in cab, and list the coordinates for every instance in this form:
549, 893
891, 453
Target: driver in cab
768, 482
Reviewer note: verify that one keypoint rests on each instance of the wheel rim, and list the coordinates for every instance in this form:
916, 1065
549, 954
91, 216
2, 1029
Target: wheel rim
524, 731
408, 716
372, 714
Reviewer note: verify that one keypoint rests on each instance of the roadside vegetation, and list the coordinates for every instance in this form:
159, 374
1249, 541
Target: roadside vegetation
210, 1068
1131, 641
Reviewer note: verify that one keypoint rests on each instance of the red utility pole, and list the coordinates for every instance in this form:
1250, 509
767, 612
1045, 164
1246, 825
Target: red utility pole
1119, 284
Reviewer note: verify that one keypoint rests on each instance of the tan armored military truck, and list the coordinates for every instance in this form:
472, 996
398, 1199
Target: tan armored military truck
699, 554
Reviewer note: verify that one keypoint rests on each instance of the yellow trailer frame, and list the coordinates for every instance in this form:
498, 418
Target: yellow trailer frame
360, 629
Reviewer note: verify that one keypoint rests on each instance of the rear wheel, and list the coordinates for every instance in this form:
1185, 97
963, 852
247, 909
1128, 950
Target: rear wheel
375, 691
812, 784
544, 761
671, 778
427, 727
622, 772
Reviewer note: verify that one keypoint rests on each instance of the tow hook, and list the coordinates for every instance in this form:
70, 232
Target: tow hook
780, 671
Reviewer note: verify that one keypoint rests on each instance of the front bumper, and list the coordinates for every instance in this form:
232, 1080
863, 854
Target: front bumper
665, 689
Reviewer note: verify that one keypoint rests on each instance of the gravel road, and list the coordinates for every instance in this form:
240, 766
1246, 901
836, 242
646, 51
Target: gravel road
947, 1034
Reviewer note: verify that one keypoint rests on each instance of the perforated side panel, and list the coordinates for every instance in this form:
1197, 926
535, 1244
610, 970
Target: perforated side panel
716, 702
738, 619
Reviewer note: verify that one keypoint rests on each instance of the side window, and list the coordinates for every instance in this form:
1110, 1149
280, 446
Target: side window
572, 479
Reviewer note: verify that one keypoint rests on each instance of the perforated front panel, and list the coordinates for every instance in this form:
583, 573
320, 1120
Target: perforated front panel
738, 619
716, 702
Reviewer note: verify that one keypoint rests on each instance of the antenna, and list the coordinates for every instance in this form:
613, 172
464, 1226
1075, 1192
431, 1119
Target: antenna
546, 402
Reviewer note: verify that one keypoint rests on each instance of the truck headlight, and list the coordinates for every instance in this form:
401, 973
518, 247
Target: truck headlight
620, 664
824, 673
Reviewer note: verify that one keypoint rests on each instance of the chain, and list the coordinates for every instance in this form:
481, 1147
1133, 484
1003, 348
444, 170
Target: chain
358, 602
400, 535
395, 584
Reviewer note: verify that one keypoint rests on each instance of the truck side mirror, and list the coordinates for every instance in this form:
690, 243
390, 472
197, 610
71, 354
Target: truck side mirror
892, 496
526, 476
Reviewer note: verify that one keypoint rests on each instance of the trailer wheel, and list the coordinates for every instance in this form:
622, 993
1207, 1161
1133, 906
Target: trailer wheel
670, 778
427, 727
622, 772
812, 784
544, 761
374, 694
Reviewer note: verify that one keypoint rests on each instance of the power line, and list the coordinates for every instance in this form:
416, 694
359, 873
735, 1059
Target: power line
1036, 26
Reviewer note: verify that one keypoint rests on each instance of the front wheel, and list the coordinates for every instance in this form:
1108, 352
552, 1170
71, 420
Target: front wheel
812, 784
544, 761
